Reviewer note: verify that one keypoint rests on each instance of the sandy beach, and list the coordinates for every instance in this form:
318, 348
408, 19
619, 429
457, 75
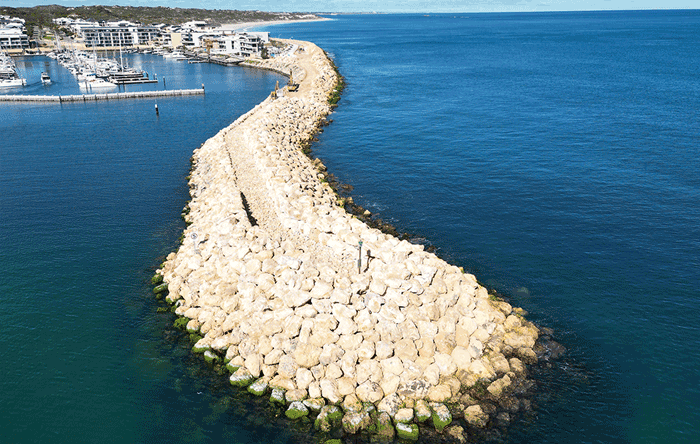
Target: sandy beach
248, 26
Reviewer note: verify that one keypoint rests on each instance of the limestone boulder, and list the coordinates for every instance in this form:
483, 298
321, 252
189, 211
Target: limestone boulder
440, 393
329, 390
390, 404
307, 355
475, 416
354, 422
404, 415
304, 378
369, 392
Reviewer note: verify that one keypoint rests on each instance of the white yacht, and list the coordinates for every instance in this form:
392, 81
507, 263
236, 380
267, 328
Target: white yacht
175, 55
8, 73
91, 82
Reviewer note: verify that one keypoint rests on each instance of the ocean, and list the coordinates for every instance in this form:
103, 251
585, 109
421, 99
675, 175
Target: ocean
553, 155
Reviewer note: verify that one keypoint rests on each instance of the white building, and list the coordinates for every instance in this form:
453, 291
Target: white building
243, 44
110, 34
118, 34
12, 38
194, 25
12, 33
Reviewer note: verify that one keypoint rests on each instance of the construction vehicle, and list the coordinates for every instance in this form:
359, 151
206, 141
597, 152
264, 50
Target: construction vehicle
291, 86
208, 44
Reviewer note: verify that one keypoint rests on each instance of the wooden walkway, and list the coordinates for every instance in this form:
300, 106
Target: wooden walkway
106, 96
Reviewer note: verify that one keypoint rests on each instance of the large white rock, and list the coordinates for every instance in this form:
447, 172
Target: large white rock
446, 364
369, 392
392, 366
307, 355
304, 378
329, 390
287, 367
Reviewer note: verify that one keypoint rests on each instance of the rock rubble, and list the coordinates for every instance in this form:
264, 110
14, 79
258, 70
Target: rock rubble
268, 274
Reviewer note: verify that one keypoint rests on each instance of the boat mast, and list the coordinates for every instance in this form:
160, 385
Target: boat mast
121, 60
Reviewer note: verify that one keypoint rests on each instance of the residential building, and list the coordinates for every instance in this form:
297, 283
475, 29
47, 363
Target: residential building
111, 34
12, 33
243, 44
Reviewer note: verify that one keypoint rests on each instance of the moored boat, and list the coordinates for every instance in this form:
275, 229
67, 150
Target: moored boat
91, 81
8, 73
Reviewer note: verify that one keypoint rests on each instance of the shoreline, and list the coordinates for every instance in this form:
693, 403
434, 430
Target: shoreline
268, 280
245, 26
242, 27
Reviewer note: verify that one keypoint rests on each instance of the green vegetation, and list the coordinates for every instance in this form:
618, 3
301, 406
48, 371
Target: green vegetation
296, 410
181, 323
162, 288
478, 390
194, 337
334, 96
329, 418
441, 422
42, 15
211, 357
407, 432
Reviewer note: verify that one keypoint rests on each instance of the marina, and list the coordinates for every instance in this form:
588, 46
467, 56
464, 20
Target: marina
94, 72
8, 72
67, 76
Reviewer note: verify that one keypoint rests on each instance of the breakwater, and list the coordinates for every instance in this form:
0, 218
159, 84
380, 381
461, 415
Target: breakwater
105, 96
335, 318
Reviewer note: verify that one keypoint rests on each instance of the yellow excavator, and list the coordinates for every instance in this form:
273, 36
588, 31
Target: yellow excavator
208, 44
291, 86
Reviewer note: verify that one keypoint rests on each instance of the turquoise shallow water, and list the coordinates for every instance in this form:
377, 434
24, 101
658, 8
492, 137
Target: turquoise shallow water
553, 155
91, 202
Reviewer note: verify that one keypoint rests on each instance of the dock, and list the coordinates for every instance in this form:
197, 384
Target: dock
106, 96
227, 61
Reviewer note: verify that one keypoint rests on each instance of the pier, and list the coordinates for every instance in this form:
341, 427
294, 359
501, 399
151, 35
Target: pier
105, 96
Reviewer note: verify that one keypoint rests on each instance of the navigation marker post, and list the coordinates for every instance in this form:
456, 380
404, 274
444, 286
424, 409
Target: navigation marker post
359, 257
194, 243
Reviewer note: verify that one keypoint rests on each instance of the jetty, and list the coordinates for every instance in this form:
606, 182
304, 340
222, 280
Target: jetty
105, 96
309, 305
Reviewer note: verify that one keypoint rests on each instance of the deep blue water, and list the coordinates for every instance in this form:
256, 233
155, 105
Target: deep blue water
556, 156
553, 155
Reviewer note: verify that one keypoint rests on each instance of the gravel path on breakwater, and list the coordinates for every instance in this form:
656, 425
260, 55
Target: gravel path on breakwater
267, 273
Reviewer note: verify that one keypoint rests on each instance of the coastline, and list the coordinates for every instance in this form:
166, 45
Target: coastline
244, 26
267, 276
250, 26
